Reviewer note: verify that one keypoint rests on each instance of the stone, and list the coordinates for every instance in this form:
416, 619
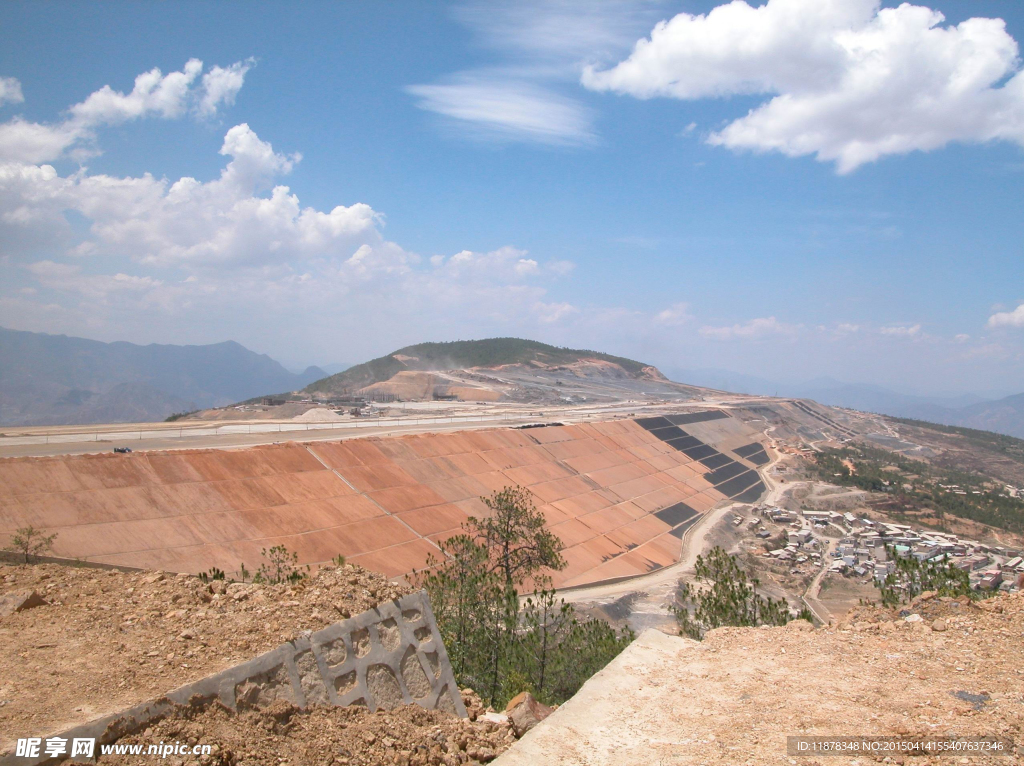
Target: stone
19, 601
525, 712
239, 591
939, 625
913, 618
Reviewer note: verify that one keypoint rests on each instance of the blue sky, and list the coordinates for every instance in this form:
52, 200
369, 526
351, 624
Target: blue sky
801, 189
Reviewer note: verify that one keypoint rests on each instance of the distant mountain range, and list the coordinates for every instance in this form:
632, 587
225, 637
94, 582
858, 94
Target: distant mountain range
57, 380
1004, 415
466, 354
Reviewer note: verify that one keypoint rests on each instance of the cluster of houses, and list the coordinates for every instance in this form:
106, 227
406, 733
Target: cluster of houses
1008, 490
864, 548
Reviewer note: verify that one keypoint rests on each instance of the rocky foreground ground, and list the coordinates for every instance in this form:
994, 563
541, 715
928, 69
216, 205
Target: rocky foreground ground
106, 640
103, 641
329, 736
937, 668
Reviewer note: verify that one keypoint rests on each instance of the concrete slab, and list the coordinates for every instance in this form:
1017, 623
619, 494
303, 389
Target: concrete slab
619, 717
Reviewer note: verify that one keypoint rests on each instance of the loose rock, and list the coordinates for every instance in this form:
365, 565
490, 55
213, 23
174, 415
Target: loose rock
525, 712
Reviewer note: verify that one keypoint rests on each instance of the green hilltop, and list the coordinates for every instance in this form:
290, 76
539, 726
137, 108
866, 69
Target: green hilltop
461, 354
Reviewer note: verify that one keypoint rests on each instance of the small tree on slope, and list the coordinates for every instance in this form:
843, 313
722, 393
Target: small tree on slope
729, 598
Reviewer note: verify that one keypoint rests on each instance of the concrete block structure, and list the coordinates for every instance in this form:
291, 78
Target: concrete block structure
388, 656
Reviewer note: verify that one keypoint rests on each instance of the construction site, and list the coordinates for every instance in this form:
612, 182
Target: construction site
121, 642
619, 494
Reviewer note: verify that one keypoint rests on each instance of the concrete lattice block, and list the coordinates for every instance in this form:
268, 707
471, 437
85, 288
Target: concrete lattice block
388, 656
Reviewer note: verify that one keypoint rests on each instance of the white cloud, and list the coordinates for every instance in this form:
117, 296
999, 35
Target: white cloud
176, 249
156, 250
505, 263
1013, 318
154, 94
221, 86
902, 331
549, 313
204, 225
499, 107
755, 329
847, 328
961, 338
10, 91
559, 32
23, 141
675, 315
852, 83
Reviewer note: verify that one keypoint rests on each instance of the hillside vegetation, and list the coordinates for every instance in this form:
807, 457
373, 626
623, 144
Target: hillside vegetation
463, 354
918, 488
1010, 446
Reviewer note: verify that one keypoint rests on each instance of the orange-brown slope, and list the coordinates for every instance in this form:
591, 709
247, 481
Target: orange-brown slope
381, 502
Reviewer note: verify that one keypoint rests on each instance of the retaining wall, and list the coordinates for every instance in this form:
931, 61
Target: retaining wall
388, 656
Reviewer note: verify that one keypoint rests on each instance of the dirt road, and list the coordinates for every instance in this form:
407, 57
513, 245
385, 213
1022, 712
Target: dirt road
810, 596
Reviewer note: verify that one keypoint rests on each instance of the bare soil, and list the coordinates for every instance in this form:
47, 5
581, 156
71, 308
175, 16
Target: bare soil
107, 640
324, 736
840, 594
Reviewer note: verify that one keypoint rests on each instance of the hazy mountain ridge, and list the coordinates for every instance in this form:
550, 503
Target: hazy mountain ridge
1004, 415
58, 379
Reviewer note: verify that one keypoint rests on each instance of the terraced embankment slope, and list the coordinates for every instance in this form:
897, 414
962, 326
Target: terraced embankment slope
619, 494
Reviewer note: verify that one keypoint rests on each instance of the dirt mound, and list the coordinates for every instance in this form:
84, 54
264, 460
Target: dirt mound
331, 736
318, 415
106, 640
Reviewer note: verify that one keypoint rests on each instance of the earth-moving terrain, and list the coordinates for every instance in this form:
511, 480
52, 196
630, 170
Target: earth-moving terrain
736, 673
618, 493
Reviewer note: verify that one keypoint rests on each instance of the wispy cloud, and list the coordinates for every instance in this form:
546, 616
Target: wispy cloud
494, 107
674, 316
902, 331
10, 91
755, 329
540, 49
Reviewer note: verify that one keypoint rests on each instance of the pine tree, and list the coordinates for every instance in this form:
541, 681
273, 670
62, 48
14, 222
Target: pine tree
729, 598
496, 645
